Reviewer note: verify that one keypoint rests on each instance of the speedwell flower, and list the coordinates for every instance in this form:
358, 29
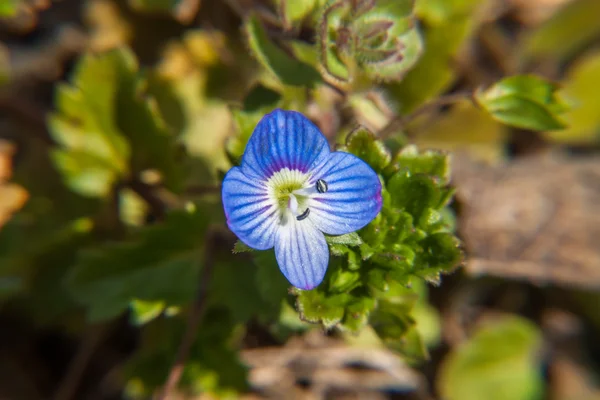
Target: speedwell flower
290, 190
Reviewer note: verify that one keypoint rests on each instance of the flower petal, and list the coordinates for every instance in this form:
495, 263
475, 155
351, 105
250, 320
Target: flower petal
353, 197
250, 213
302, 253
283, 139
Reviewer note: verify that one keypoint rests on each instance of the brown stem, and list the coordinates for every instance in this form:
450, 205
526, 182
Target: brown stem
400, 122
194, 318
70, 382
150, 195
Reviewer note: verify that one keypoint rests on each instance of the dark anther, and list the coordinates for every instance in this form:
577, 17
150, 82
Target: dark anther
303, 215
322, 186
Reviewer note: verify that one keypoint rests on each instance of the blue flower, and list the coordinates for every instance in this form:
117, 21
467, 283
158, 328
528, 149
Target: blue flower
290, 190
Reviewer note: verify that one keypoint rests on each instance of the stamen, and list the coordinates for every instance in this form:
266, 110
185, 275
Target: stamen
304, 215
293, 204
322, 186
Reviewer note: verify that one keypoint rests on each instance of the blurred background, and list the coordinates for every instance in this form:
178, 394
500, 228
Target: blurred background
119, 118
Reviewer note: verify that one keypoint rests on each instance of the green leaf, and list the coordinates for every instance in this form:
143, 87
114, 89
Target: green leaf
523, 101
154, 147
576, 20
107, 129
288, 70
182, 10
212, 366
94, 152
316, 307
498, 363
240, 247
580, 89
8, 8
429, 162
160, 263
293, 12
413, 193
395, 325
448, 25
143, 312
366, 146
270, 282
441, 253
349, 239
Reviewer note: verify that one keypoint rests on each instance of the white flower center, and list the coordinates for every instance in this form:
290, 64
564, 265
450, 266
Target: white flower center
290, 190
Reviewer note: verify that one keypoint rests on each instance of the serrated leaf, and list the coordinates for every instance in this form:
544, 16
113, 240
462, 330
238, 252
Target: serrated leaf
160, 264
413, 193
240, 247
395, 325
316, 307
357, 313
366, 146
441, 253
498, 363
525, 101
281, 65
349, 239
106, 129
430, 162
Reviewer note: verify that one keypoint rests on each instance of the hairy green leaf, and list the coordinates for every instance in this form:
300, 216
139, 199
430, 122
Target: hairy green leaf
288, 70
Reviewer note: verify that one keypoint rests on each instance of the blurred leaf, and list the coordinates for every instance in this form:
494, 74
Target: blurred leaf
159, 264
293, 12
101, 118
464, 127
143, 312
523, 101
576, 21
286, 69
580, 89
8, 8
498, 363
212, 366
270, 283
183, 10
235, 285
94, 152
12, 196
448, 25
